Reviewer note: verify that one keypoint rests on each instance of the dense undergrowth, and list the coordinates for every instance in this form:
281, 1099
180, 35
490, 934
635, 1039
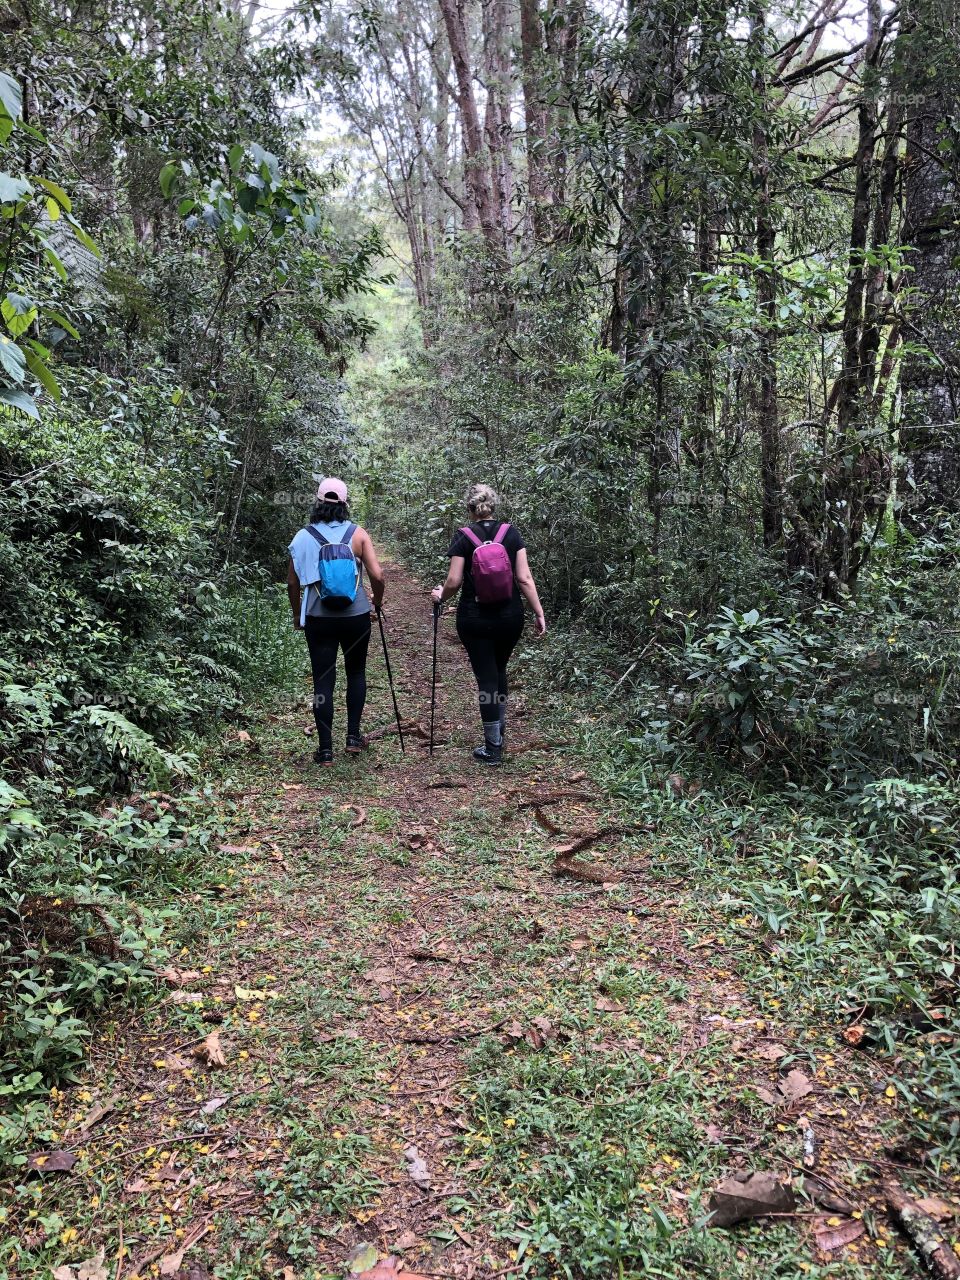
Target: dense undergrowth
177, 305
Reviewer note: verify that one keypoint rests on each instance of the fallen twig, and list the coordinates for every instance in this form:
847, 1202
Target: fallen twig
426, 1038
591, 837
930, 1241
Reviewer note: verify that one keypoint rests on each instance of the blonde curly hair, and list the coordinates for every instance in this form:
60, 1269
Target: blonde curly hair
481, 501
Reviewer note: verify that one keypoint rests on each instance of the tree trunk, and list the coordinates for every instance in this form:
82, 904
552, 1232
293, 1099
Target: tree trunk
535, 118
768, 413
930, 380
475, 160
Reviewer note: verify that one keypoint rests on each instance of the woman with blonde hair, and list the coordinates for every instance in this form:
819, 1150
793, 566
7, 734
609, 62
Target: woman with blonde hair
488, 559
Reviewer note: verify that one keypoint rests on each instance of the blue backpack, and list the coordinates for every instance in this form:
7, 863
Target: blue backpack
339, 576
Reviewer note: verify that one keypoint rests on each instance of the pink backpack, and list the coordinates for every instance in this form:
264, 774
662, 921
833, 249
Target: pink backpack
491, 568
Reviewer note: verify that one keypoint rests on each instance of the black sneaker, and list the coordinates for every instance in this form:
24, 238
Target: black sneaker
355, 744
488, 754
323, 755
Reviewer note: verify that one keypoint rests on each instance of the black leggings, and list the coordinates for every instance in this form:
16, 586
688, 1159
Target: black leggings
324, 637
489, 642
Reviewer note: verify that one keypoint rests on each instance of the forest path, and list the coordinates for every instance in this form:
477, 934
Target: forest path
438, 1041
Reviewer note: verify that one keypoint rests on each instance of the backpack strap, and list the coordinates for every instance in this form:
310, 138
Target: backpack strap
324, 542
351, 529
471, 535
501, 533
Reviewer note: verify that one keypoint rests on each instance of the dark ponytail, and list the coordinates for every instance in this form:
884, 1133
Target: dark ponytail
328, 512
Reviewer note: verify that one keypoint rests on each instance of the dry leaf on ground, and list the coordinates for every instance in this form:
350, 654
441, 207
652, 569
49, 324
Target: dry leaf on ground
172, 1262
829, 1237
92, 1269
795, 1085
51, 1161
97, 1113
417, 1168
179, 977
771, 1052
749, 1195
388, 1269
938, 1208
210, 1051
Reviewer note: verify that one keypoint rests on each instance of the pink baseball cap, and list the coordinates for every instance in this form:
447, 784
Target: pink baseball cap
332, 490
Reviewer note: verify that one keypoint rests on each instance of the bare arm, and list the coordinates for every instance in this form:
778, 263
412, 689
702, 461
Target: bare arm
453, 583
528, 589
293, 592
372, 565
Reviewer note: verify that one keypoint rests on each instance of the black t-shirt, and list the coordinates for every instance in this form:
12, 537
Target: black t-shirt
462, 546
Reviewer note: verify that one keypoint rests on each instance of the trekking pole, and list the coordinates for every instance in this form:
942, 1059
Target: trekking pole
386, 658
433, 686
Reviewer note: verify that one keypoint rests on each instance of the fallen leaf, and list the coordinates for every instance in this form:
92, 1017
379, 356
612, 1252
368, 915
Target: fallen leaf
210, 1051
292, 786
382, 976
795, 1085
854, 1035
771, 1052
237, 848
406, 1240
361, 1257
359, 810
62, 1273
244, 736
93, 1268
603, 1005
388, 1269
418, 1171
830, 1238
749, 1195
186, 997
179, 977
713, 1134
51, 1161
539, 1032
938, 1208
579, 942
246, 993
768, 1095
97, 1113
213, 1104
172, 1262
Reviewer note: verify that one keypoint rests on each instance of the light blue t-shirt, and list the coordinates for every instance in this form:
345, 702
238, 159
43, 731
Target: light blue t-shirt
305, 552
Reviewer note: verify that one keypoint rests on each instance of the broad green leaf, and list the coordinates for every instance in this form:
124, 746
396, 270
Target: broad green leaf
57, 192
177, 396
13, 189
236, 155
57, 318
6, 128
12, 359
82, 236
22, 400
18, 313
54, 259
11, 96
168, 175
42, 374
53, 209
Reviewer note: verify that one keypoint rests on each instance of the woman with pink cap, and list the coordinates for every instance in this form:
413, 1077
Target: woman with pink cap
325, 589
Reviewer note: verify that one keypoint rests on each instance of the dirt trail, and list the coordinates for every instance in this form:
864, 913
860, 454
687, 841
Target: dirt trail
416, 1005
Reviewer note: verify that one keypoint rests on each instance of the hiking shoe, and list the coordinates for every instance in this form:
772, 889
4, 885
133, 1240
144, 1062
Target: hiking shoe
323, 755
488, 754
356, 743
